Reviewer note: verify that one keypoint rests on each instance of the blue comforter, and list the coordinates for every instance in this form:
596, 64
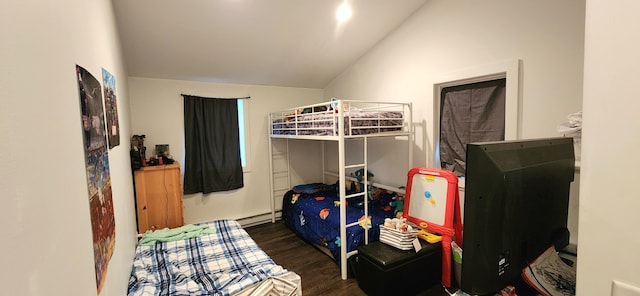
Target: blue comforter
312, 211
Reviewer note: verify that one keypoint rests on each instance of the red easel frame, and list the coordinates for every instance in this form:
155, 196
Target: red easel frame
452, 227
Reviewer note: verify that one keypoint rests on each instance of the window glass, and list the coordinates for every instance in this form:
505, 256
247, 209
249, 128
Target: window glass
241, 130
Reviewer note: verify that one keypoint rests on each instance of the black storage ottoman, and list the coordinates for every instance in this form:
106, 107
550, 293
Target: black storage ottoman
385, 270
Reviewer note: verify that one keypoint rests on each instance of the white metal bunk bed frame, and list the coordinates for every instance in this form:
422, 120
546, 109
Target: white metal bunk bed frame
406, 130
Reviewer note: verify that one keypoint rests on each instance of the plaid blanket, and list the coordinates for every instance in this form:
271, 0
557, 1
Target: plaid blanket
222, 263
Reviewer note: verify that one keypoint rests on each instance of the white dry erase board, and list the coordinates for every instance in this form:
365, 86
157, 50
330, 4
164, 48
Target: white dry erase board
430, 197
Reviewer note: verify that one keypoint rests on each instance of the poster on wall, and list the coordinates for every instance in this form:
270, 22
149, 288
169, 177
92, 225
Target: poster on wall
97, 168
111, 108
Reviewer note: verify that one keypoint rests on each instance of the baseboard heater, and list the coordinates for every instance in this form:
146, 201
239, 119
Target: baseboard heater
258, 219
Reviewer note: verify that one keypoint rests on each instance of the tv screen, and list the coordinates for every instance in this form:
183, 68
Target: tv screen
516, 206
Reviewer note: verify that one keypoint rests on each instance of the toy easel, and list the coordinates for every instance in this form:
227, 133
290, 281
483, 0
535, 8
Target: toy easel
432, 197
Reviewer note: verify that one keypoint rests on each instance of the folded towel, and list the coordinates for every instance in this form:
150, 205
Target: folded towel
166, 235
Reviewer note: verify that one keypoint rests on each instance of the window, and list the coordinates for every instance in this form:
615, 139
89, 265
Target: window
242, 130
469, 113
213, 160
509, 70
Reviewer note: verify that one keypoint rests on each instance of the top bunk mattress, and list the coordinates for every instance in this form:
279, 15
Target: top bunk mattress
359, 117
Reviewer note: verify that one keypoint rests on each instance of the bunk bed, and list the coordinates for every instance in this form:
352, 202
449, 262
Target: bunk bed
338, 121
214, 258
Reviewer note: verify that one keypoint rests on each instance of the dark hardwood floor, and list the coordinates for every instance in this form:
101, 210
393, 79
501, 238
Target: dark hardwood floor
320, 274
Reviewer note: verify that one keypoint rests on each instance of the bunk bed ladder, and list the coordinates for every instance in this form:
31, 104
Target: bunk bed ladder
343, 197
278, 175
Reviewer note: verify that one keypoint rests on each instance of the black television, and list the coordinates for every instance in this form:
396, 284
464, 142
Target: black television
516, 206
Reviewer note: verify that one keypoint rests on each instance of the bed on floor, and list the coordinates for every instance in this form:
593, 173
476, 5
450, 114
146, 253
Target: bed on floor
312, 211
214, 258
347, 123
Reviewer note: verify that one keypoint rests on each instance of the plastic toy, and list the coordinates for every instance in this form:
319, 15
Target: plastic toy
365, 222
295, 197
426, 235
336, 203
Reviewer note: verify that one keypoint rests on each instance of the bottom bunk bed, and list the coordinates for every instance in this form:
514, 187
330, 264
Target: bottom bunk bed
214, 258
312, 212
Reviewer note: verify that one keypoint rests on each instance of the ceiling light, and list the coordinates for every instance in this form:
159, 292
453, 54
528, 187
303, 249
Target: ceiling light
344, 12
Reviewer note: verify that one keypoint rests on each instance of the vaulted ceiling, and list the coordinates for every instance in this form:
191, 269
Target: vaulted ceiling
294, 43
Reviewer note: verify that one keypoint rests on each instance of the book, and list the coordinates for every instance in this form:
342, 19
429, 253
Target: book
550, 275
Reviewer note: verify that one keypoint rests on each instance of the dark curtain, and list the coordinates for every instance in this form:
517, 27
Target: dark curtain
470, 113
212, 145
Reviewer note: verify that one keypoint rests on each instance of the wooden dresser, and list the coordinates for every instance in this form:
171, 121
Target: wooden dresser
158, 197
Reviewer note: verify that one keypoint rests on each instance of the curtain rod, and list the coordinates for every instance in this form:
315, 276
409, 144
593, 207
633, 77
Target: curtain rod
240, 98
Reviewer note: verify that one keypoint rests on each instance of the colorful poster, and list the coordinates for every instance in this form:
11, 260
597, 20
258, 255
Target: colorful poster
98, 176
111, 108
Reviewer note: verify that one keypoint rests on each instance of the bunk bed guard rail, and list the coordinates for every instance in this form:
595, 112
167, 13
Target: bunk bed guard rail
359, 118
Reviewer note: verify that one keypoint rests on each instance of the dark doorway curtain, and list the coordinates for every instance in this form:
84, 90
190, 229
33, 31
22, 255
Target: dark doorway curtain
470, 113
212, 145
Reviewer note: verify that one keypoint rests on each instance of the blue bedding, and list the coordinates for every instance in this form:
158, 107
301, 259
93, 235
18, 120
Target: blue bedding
312, 211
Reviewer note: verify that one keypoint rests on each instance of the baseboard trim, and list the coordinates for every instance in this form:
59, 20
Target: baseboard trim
258, 219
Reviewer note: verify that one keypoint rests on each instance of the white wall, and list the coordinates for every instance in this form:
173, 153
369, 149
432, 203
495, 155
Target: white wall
46, 234
445, 38
157, 111
609, 202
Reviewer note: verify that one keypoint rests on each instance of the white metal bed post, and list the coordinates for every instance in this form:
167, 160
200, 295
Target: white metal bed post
288, 167
343, 191
366, 190
410, 136
324, 169
273, 195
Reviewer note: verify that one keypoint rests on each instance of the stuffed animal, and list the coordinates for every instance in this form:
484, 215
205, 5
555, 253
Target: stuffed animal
360, 177
399, 224
389, 223
377, 194
398, 204
383, 198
